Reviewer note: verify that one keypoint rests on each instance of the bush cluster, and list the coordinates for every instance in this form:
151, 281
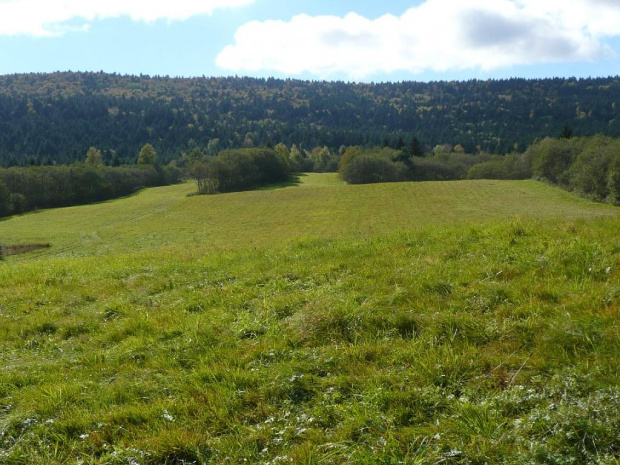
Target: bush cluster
364, 166
513, 166
587, 166
236, 170
360, 166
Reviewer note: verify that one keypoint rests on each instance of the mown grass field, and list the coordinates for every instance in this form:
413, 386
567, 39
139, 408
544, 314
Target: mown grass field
319, 206
462, 322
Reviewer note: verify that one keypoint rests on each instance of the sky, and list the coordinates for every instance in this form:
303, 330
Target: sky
361, 40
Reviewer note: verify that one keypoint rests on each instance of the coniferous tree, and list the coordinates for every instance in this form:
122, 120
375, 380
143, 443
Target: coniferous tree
567, 132
416, 148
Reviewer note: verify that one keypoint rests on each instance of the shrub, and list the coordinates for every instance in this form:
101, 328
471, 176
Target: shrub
514, 166
613, 179
234, 170
446, 166
5, 199
19, 204
552, 158
271, 167
433, 169
588, 174
494, 169
171, 175
364, 169
348, 155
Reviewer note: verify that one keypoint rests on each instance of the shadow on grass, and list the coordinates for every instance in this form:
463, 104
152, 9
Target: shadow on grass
293, 181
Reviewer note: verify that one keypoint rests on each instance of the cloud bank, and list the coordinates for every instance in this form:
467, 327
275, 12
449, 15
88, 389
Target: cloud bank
44, 18
438, 35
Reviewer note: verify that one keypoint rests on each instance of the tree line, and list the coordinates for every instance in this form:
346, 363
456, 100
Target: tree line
48, 119
587, 166
33, 187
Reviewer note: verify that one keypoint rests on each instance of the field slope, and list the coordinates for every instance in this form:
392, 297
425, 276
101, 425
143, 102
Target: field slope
318, 206
461, 322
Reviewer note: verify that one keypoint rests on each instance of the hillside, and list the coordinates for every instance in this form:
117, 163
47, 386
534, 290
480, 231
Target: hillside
55, 118
462, 322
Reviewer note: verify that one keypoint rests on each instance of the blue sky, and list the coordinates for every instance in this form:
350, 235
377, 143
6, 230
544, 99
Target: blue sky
359, 40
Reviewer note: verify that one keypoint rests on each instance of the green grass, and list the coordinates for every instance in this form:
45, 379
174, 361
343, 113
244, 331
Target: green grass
473, 322
321, 206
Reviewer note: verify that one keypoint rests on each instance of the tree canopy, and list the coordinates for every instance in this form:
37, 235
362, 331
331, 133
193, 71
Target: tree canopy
55, 118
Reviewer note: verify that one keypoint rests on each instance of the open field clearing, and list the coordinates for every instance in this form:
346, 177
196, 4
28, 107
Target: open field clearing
462, 322
319, 206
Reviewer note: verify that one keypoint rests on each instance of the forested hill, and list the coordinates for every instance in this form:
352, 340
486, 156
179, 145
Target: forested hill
46, 118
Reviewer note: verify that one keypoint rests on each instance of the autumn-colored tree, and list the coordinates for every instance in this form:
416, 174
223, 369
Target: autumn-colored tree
349, 154
442, 148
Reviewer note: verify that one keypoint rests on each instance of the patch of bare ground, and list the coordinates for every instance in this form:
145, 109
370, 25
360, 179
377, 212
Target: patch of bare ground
23, 248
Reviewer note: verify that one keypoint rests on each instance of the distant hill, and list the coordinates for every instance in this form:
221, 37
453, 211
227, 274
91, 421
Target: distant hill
54, 118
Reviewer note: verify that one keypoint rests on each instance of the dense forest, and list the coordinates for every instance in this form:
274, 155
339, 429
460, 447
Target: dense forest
54, 118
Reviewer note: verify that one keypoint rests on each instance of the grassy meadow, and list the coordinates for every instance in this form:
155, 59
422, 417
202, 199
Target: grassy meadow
316, 206
459, 322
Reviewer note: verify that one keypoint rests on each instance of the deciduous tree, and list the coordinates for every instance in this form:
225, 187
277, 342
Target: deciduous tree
147, 156
93, 157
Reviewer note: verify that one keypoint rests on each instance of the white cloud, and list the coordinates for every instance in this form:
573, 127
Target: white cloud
42, 18
438, 35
